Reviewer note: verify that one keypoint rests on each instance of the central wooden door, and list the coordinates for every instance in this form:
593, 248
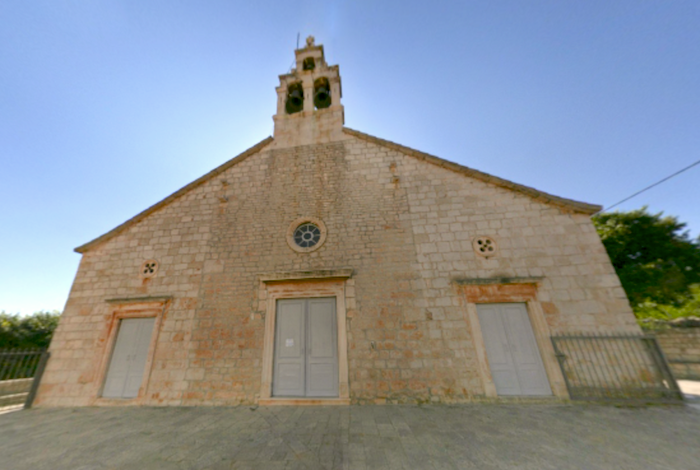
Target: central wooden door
306, 349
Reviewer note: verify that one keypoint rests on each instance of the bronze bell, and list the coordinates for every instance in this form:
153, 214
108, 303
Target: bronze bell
322, 97
295, 101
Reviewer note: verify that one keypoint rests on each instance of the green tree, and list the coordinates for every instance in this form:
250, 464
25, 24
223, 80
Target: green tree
689, 308
653, 255
32, 331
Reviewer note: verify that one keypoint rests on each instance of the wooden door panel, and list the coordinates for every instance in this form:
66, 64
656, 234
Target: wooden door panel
306, 348
511, 350
119, 363
127, 365
322, 381
322, 354
529, 368
139, 357
498, 351
289, 367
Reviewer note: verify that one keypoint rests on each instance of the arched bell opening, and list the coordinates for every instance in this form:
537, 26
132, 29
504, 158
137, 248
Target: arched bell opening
309, 64
322, 93
295, 98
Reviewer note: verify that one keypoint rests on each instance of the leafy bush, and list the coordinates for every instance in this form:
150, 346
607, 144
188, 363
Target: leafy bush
689, 307
28, 332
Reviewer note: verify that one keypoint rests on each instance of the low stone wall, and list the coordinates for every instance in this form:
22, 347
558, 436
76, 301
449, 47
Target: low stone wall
682, 349
14, 392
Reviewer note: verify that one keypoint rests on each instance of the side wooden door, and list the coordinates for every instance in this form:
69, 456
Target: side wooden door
129, 357
511, 349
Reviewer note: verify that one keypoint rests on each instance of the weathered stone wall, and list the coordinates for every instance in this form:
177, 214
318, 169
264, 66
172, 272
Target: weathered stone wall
682, 349
404, 226
178, 236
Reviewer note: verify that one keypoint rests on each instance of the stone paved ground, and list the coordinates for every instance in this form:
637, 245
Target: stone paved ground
483, 437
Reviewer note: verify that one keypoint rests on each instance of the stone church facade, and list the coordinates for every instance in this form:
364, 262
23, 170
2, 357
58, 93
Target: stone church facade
327, 266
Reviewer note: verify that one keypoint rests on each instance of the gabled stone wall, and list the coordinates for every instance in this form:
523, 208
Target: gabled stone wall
404, 226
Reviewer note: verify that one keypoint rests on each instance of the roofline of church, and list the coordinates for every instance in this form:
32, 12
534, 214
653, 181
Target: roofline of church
199, 181
568, 204
536, 194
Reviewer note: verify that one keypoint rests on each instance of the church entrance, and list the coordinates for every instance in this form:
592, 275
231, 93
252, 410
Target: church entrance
511, 349
306, 348
128, 362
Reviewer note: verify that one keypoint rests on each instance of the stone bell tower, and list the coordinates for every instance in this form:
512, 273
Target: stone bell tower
308, 101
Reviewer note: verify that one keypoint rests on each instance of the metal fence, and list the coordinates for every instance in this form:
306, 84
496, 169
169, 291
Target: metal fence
20, 373
615, 368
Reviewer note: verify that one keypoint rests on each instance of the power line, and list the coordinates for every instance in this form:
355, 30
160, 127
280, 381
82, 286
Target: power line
651, 186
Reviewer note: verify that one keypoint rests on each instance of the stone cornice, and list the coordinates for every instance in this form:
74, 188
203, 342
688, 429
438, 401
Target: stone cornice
342, 273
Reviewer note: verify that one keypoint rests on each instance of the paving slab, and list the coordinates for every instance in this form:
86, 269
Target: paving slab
691, 392
557, 437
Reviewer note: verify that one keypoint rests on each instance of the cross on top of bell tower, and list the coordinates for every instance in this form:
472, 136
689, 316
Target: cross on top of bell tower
308, 100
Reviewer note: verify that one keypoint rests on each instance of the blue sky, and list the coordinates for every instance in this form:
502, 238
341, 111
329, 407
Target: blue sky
107, 107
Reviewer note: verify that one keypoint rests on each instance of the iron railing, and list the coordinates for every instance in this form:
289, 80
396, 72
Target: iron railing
621, 367
20, 373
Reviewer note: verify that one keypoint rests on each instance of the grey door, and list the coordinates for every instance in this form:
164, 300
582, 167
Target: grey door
128, 361
306, 349
511, 350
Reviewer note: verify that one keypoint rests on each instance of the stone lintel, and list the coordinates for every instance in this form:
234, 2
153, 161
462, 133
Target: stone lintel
475, 281
343, 273
143, 299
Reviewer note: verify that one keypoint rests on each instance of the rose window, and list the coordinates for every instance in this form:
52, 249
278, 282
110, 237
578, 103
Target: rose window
307, 235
